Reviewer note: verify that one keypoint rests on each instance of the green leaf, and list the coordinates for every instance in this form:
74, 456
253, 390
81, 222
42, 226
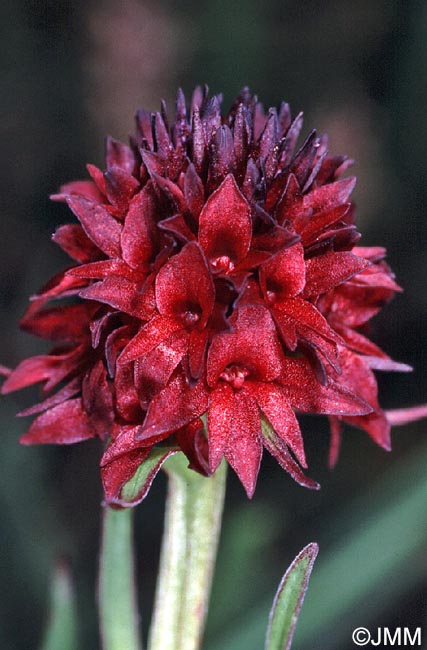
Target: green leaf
289, 599
61, 631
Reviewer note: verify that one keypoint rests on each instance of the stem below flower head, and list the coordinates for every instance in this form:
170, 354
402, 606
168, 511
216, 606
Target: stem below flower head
119, 624
192, 525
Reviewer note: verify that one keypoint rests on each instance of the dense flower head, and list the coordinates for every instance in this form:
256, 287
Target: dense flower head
217, 289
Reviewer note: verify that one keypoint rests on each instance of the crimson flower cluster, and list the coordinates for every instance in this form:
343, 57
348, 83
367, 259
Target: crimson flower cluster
216, 290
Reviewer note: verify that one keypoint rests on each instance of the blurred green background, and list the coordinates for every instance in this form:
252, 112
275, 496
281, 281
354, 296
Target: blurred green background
74, 71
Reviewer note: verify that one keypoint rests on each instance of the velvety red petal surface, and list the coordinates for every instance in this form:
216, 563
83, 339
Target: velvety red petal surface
174, 407
101, 228
184, 287
284, 275
225, 227
244, 448
64, 424
277, 409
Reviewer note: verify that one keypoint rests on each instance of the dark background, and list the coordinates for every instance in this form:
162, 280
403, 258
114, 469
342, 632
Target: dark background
74, 71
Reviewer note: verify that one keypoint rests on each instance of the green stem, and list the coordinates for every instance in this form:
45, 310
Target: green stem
119, 625
192, 525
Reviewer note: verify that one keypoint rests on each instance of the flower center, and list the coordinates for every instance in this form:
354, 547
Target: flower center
190, 318
235, 375
271, 297
223, 264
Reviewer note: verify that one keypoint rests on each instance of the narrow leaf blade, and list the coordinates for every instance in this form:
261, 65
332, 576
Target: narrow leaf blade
289, 599
61, 631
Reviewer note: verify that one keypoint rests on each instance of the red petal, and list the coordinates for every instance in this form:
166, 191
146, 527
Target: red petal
161, 133
121, 461
244, 448
361, 344
289, 204
67, 323
193, 191
139, 237
252, 260
120, 294
120, 186
104, 269
98, 178
59, 286
398, 417
193, 443
306, 394
127, 402
275, 405
327, 271
376, 425
74, 241
173, 408
221, 159
333, 167
320, 224
49, 368
171, 191
225, 226
153, 372
303, 160
329, 196
371, 253
114, 344
197, 346
278, 449
144, 127
253, 344
98, 400
123, 443
65, 424
118, 154
269, 136
178, 226
116, 474
283, 276
198, 140
359, 378
158, 329
353, 305
292, 136
305, 314
98, 224
219, 422
381, 363
65, 393
376, 277
154, 162
185, 286
274, 239
302, 318
87, 189
240, 137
